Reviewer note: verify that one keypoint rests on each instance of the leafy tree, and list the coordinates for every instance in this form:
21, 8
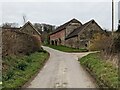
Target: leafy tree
38, 27
48, 28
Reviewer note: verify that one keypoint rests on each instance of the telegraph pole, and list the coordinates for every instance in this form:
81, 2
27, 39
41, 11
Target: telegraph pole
112, 17
112, 36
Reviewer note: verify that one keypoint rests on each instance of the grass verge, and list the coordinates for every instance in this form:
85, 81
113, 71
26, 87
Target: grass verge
105, 74
19, 69
67, 49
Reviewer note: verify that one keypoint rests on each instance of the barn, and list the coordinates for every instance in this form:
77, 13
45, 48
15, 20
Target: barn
75, 34
58, 36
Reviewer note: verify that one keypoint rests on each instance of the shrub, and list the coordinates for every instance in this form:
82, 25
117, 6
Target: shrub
17, 43
105, 73
100, 42
116, 44
22, 65
8, 75
29, 60
21, 68
41, 50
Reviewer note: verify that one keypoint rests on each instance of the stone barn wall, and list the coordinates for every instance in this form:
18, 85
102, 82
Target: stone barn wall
70, 28
73, 42
82, 38
29, 29
87, 34
16, 42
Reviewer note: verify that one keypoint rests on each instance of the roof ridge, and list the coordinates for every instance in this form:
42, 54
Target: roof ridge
69, 22
30, 25
79, 29
64, 25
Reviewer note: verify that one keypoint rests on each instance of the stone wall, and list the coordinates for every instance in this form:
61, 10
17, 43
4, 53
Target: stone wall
73, 42
27, 28
84, 37
87, 34
16, 42
70, 28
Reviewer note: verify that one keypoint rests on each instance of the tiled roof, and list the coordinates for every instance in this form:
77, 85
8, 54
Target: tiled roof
77, 30
64, 25
29, 23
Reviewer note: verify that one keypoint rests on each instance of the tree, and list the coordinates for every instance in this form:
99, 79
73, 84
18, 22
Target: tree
48, 28
38, 27
10, 25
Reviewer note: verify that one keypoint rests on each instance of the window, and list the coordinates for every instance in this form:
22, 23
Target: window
60, 41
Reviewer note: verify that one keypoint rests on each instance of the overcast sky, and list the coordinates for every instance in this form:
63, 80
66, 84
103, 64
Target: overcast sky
59, 11
119, 10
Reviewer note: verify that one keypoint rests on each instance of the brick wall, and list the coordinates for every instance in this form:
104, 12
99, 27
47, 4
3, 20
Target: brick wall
60, 36
57, 36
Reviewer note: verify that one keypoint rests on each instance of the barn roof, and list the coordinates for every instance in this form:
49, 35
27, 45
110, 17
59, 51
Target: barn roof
64, 25
29, 23
77, 30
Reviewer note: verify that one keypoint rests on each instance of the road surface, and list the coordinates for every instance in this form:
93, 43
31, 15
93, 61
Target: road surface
62, 70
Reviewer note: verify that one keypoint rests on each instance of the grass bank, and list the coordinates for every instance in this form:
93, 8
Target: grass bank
67, 49
19, 69
105, 74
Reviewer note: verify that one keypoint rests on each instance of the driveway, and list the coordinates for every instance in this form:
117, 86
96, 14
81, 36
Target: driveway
62, 70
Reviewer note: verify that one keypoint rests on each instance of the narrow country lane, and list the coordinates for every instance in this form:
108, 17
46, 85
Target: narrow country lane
62, 70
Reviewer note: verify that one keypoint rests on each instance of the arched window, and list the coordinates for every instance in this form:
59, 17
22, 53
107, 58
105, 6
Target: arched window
56, 42
52, 42
86, 45
60, 41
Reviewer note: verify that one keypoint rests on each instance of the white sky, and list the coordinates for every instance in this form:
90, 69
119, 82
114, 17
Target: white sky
57, 12
119, 10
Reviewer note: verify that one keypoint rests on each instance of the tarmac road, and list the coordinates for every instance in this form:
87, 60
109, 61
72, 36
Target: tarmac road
62, 70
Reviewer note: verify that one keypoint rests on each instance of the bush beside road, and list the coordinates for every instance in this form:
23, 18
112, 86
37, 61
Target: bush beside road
105, 74
17, 70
